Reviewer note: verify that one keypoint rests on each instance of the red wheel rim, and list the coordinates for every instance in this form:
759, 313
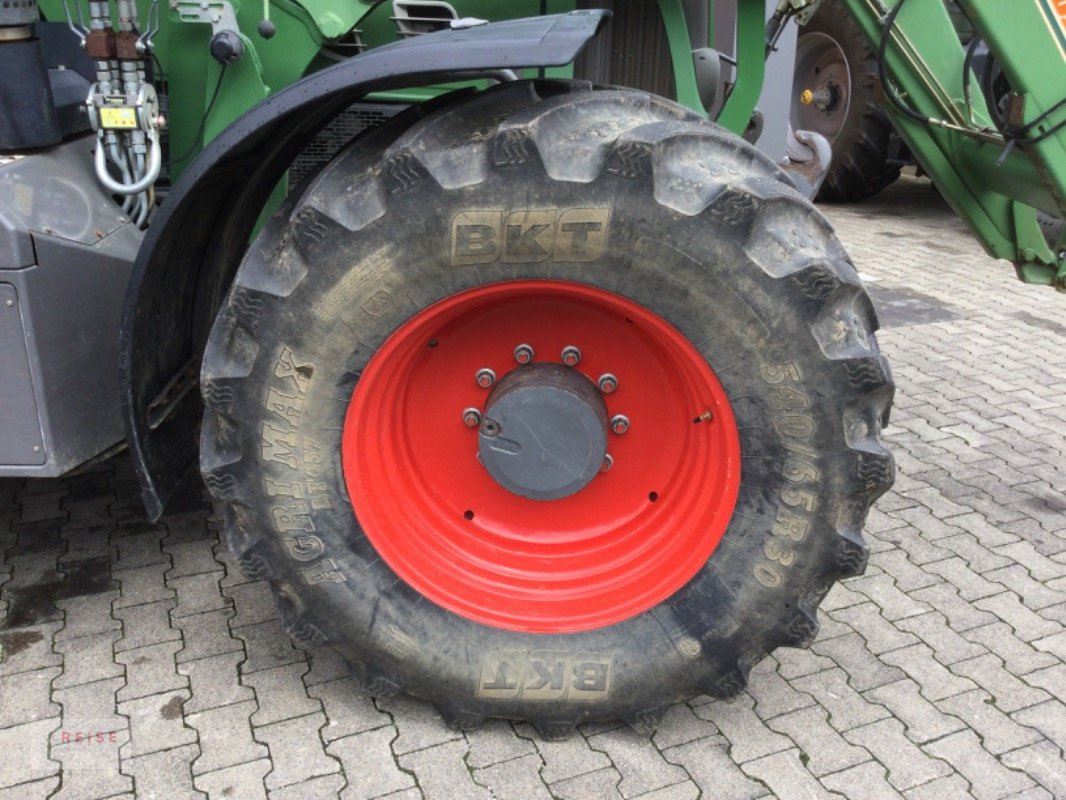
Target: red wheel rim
627, 541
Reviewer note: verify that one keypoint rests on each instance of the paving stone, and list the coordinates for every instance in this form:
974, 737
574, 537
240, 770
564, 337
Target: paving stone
422, 726
198, 594
26, 649
935, 680
1039, 566
146, 625
988, 778
348, 709
89, 707
840, 596
1049, 718
32, 790
1019, 657
794, 663
978, 557
961, 613
919, 551
823, 747
243, 781
773, 695
156, 723
970, 584
948, 646
680, 725
1043, 763
1009, 692
869, 778
369, 764
225, 736
1035, 594
326, 665
924, 721
267, 645
679, 791
143, 585
30, 741
91, 768
748, 736
642, 767
514, 779
26, 697
880, 635
602, 784
953, 786
88, 659
998, 732
296, 751
165, 774
141, 550
846, 707
207, 635
150, 670
86, 615
254, 602
192, 558
866, 670
1027, 625
786, 776
907, 765
281, 693
215, 682
324, 787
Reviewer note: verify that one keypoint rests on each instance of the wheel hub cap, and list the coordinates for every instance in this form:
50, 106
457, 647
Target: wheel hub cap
544, 435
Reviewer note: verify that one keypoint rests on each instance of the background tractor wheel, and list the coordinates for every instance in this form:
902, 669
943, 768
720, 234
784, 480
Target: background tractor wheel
833, 94
555, 404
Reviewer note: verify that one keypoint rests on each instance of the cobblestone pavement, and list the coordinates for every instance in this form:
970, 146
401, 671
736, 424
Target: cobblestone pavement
137, 660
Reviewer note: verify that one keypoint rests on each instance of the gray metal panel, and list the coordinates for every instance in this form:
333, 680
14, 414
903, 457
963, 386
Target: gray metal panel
16, 249
71, 302
55, 191
21, 441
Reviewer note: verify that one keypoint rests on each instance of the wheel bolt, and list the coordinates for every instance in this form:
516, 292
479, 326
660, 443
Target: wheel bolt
471, 417
607, 383
619, 423
523, 354
485, 377
608, 462
571, 355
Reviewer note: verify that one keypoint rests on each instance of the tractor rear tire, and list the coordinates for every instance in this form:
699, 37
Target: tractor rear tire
675, 256
833, 56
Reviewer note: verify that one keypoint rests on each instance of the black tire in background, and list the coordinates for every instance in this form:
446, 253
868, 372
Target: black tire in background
706, 233
836, 63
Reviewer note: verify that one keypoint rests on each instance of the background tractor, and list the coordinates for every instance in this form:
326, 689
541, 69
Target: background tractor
534, 393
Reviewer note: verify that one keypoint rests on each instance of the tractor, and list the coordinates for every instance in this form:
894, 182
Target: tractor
534, 393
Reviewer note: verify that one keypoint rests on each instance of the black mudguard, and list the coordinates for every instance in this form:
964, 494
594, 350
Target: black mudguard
193, 248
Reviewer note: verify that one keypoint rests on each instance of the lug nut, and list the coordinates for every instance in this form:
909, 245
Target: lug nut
523, 354
485, 378
607, 383
608, 462
471, 417
619, 423
571, 355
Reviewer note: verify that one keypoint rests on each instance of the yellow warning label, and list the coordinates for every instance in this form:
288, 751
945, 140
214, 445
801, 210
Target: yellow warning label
124, 117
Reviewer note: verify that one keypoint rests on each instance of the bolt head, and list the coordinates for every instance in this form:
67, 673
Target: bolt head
571, 356
471, 417
607, 383
608, 462
523, 354
619, 423
490, 427
485, 378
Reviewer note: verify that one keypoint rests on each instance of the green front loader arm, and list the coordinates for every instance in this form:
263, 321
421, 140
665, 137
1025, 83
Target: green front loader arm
995, 186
